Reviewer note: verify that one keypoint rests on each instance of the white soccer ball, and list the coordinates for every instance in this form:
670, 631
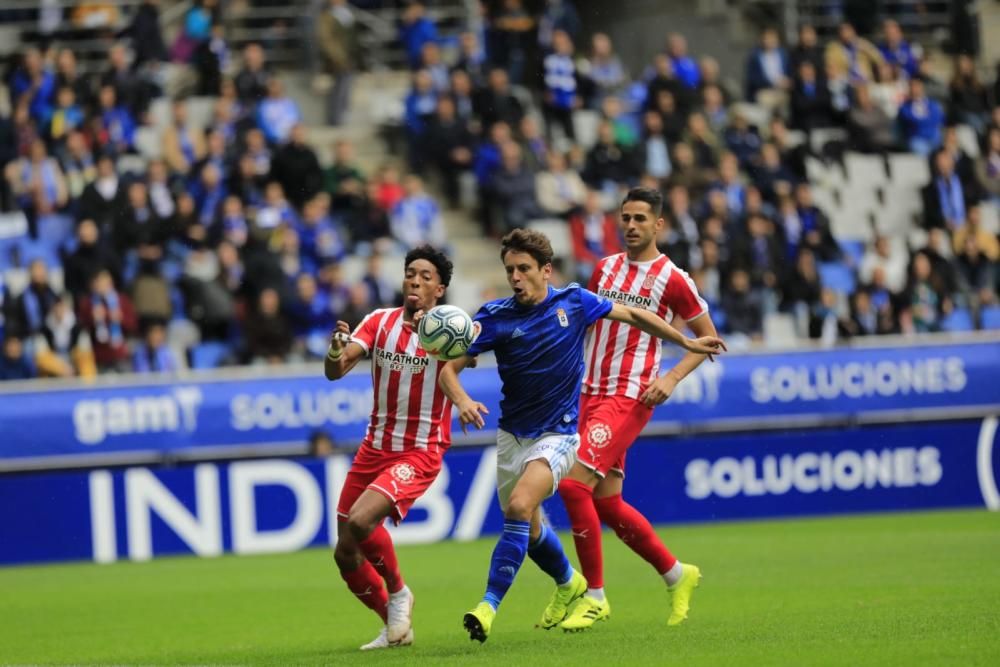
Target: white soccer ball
445, 332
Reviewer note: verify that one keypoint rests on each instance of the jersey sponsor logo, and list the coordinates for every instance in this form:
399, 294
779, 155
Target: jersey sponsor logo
599, 435
400, 361
563, 320
626, 299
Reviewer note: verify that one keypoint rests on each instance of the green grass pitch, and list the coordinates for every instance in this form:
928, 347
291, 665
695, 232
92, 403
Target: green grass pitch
901, 589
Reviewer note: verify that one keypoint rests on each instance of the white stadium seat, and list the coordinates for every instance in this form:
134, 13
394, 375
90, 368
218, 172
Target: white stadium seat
558, 233
868, 170
968, 141
907, 169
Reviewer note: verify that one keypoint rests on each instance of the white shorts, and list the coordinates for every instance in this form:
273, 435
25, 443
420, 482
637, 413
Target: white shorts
514, 454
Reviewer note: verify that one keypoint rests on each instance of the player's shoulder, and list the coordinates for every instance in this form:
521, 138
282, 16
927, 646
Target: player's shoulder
497, 306
611, 260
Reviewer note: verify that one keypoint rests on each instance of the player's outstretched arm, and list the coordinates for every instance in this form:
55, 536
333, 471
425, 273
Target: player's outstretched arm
660, 389
469, 411
342, 355
655, 326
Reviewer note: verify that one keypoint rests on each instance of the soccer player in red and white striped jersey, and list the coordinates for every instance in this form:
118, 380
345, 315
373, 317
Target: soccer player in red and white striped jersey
400, 456
620, 388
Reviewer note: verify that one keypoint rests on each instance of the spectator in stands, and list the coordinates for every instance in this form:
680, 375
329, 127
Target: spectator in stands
515, 198
472, 58
801, 290
380, 292
150, 291
108, 318
871, 129
131, 91
663, 79
851, 56
686, 172
685, 68
449, 145
560, 96
343, 170
268, 336
534, 147
153, 355
252, 81
310, 316
145, 35
863, 319
713, 107
711, 76
772, 178
811, 105
920, 120
136, 222
337, 36
608, 163
595, 236
234, 226
183, 144
497, 103
78, 165
65, 117
654, 150
815, 233
768, 73
68, 75
63, 349
420, 105
888, 258
37, 182
560, 190
968, 98
925, 299
463, 96
987, 167
897, 51
977, 274
603, 71
33, 84
731, 184
415, 31
277, 113
98, 198
513, 28
742, 139
416, 219
742, 305
15, 363
703, 141
296, 167
964, 165
27, 318
116, 124
761, 254
988, 244
945, 199
890, 92
557, 15
807, 49
431, 60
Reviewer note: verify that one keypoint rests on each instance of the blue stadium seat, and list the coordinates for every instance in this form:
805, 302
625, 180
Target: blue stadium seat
32, 250
991, 317
55, 229
958, 320
853, 250
838, 277
208, 355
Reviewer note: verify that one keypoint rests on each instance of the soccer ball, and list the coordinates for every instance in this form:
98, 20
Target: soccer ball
445, 332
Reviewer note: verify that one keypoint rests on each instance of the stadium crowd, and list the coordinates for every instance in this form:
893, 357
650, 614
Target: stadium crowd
227, 246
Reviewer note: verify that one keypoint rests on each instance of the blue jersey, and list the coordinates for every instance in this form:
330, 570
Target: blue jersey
539, 351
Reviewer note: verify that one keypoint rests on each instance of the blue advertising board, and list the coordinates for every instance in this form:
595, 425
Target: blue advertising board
195, 414
278, 505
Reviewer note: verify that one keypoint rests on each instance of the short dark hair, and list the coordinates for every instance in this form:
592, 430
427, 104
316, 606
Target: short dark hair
434, 256
528, 241
651, 196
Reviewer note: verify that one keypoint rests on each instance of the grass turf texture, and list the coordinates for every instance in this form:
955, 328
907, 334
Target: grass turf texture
877, 590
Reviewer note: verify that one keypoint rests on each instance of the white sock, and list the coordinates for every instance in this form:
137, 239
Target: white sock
596, 593
673, 575
405, 590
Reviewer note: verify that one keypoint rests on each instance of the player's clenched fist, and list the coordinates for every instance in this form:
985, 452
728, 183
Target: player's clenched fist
471, 413
340, 336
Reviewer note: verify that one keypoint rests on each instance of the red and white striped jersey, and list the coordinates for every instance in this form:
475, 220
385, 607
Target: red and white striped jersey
409, 411
621, 359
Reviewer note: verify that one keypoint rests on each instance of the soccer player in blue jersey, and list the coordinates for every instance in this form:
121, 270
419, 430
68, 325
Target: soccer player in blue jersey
537, 336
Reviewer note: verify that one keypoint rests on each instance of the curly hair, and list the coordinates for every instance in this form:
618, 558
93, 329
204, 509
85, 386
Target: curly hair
434, 256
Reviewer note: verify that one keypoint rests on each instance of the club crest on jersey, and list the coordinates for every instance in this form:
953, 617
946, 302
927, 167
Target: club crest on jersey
599, 435
563, 320
403, 473
648, 283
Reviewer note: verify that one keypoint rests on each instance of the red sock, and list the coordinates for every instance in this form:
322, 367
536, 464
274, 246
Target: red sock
634, 530
379, 551
366, 584
579, 500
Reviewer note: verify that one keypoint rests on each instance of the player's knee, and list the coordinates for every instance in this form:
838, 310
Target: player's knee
346, 555
520, 507
361, 524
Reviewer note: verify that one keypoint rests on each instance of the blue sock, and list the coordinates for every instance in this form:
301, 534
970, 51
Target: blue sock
548, 554
506, 561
